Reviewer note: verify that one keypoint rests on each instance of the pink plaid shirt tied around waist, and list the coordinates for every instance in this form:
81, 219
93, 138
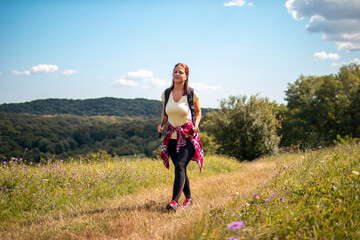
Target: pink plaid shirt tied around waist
181, 142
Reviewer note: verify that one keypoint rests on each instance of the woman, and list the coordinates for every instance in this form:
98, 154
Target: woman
181, 141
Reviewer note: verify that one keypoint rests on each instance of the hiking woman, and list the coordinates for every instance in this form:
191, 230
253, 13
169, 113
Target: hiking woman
181, 142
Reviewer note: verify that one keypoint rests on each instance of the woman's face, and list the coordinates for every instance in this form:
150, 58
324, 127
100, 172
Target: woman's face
179, 75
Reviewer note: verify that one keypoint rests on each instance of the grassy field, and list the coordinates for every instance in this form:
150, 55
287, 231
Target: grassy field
316, 197
312, 195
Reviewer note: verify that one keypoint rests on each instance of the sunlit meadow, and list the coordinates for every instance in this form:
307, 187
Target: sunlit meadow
30, 191
315, 198
311, 195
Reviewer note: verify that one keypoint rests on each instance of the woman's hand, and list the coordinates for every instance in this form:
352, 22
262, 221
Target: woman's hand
161, 128
195, 129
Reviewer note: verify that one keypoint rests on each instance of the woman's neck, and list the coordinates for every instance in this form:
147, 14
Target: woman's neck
179, 86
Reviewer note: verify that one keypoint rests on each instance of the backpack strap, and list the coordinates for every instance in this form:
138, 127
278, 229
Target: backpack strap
167, 95
190, 98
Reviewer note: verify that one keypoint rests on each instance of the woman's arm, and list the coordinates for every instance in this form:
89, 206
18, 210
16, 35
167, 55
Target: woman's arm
197, 115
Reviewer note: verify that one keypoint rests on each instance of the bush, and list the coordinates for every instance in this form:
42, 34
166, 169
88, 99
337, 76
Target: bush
244, 129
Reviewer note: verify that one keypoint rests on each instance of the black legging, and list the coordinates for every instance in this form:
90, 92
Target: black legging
181, 160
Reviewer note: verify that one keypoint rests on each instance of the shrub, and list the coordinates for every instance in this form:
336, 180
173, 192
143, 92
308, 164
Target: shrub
245, 129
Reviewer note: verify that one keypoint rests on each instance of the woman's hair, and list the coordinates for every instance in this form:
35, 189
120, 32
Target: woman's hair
186, 84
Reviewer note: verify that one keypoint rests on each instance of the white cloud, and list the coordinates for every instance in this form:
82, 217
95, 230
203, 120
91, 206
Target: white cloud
323, 55
356, 60
44, 68
0, 73
101, 77
27, 73
41, 68
140, 74
69, 72
204, 87
125, 82
239, 3
144, 78
337, 20
337, 64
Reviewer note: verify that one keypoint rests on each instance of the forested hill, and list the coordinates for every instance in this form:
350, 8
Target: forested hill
65, 127
106, 106
89, 107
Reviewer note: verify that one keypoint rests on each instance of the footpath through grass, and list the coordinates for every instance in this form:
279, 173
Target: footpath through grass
312, 195
316, 198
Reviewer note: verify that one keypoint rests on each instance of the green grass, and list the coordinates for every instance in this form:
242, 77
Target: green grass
29, 192
312, 195
316, 198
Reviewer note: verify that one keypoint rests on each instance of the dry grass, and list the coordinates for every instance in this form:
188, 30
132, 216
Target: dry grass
143, 215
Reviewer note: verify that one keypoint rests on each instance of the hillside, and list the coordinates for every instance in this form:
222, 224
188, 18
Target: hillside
106, 106
88, 107
41, 136
112, 199
311, 195
63, 127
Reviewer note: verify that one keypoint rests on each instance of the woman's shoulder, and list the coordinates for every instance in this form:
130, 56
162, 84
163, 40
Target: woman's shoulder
167, 90
195, 94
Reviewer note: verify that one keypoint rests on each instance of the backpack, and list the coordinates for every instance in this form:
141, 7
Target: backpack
190, 98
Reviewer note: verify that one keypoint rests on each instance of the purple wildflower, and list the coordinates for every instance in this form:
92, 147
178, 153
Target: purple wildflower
235, 225
42, 190
4, 162
22, 186
282, 199
267, 200
273, 194
234, 238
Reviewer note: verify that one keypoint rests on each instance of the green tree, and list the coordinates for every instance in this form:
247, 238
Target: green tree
321, 107
244, 128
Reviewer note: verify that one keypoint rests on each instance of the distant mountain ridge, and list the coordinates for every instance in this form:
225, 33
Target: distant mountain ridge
106, 106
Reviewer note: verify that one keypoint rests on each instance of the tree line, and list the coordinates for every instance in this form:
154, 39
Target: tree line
41, 136
319, 110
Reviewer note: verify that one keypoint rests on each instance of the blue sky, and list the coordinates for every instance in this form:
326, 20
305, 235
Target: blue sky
127, 49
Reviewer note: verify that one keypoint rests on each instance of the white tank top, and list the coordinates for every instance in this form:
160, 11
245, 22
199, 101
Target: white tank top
178, 112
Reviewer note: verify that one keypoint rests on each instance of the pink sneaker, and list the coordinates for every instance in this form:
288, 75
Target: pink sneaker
187, 203
172, 205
